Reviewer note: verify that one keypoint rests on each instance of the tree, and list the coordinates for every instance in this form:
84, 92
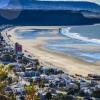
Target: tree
25, 60
61, 96
48, 96
42, 83
3, 73
1, 66
6, 57
96, 94
50, 71
2, 86
9, 67
3, 97
30, 92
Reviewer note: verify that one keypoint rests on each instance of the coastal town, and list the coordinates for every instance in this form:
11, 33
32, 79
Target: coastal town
23, 77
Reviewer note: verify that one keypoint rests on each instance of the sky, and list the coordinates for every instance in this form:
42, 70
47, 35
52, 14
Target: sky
95, 1
4, 3
13, 15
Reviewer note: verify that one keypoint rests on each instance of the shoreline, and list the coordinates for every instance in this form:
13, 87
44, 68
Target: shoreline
67, 63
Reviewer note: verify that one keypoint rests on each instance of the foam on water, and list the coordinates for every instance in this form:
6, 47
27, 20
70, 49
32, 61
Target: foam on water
85, 36
78, 36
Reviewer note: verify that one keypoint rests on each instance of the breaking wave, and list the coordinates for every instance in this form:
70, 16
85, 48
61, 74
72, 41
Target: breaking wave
78, 36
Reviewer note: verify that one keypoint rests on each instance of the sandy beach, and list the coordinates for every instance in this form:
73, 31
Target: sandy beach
68, 63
